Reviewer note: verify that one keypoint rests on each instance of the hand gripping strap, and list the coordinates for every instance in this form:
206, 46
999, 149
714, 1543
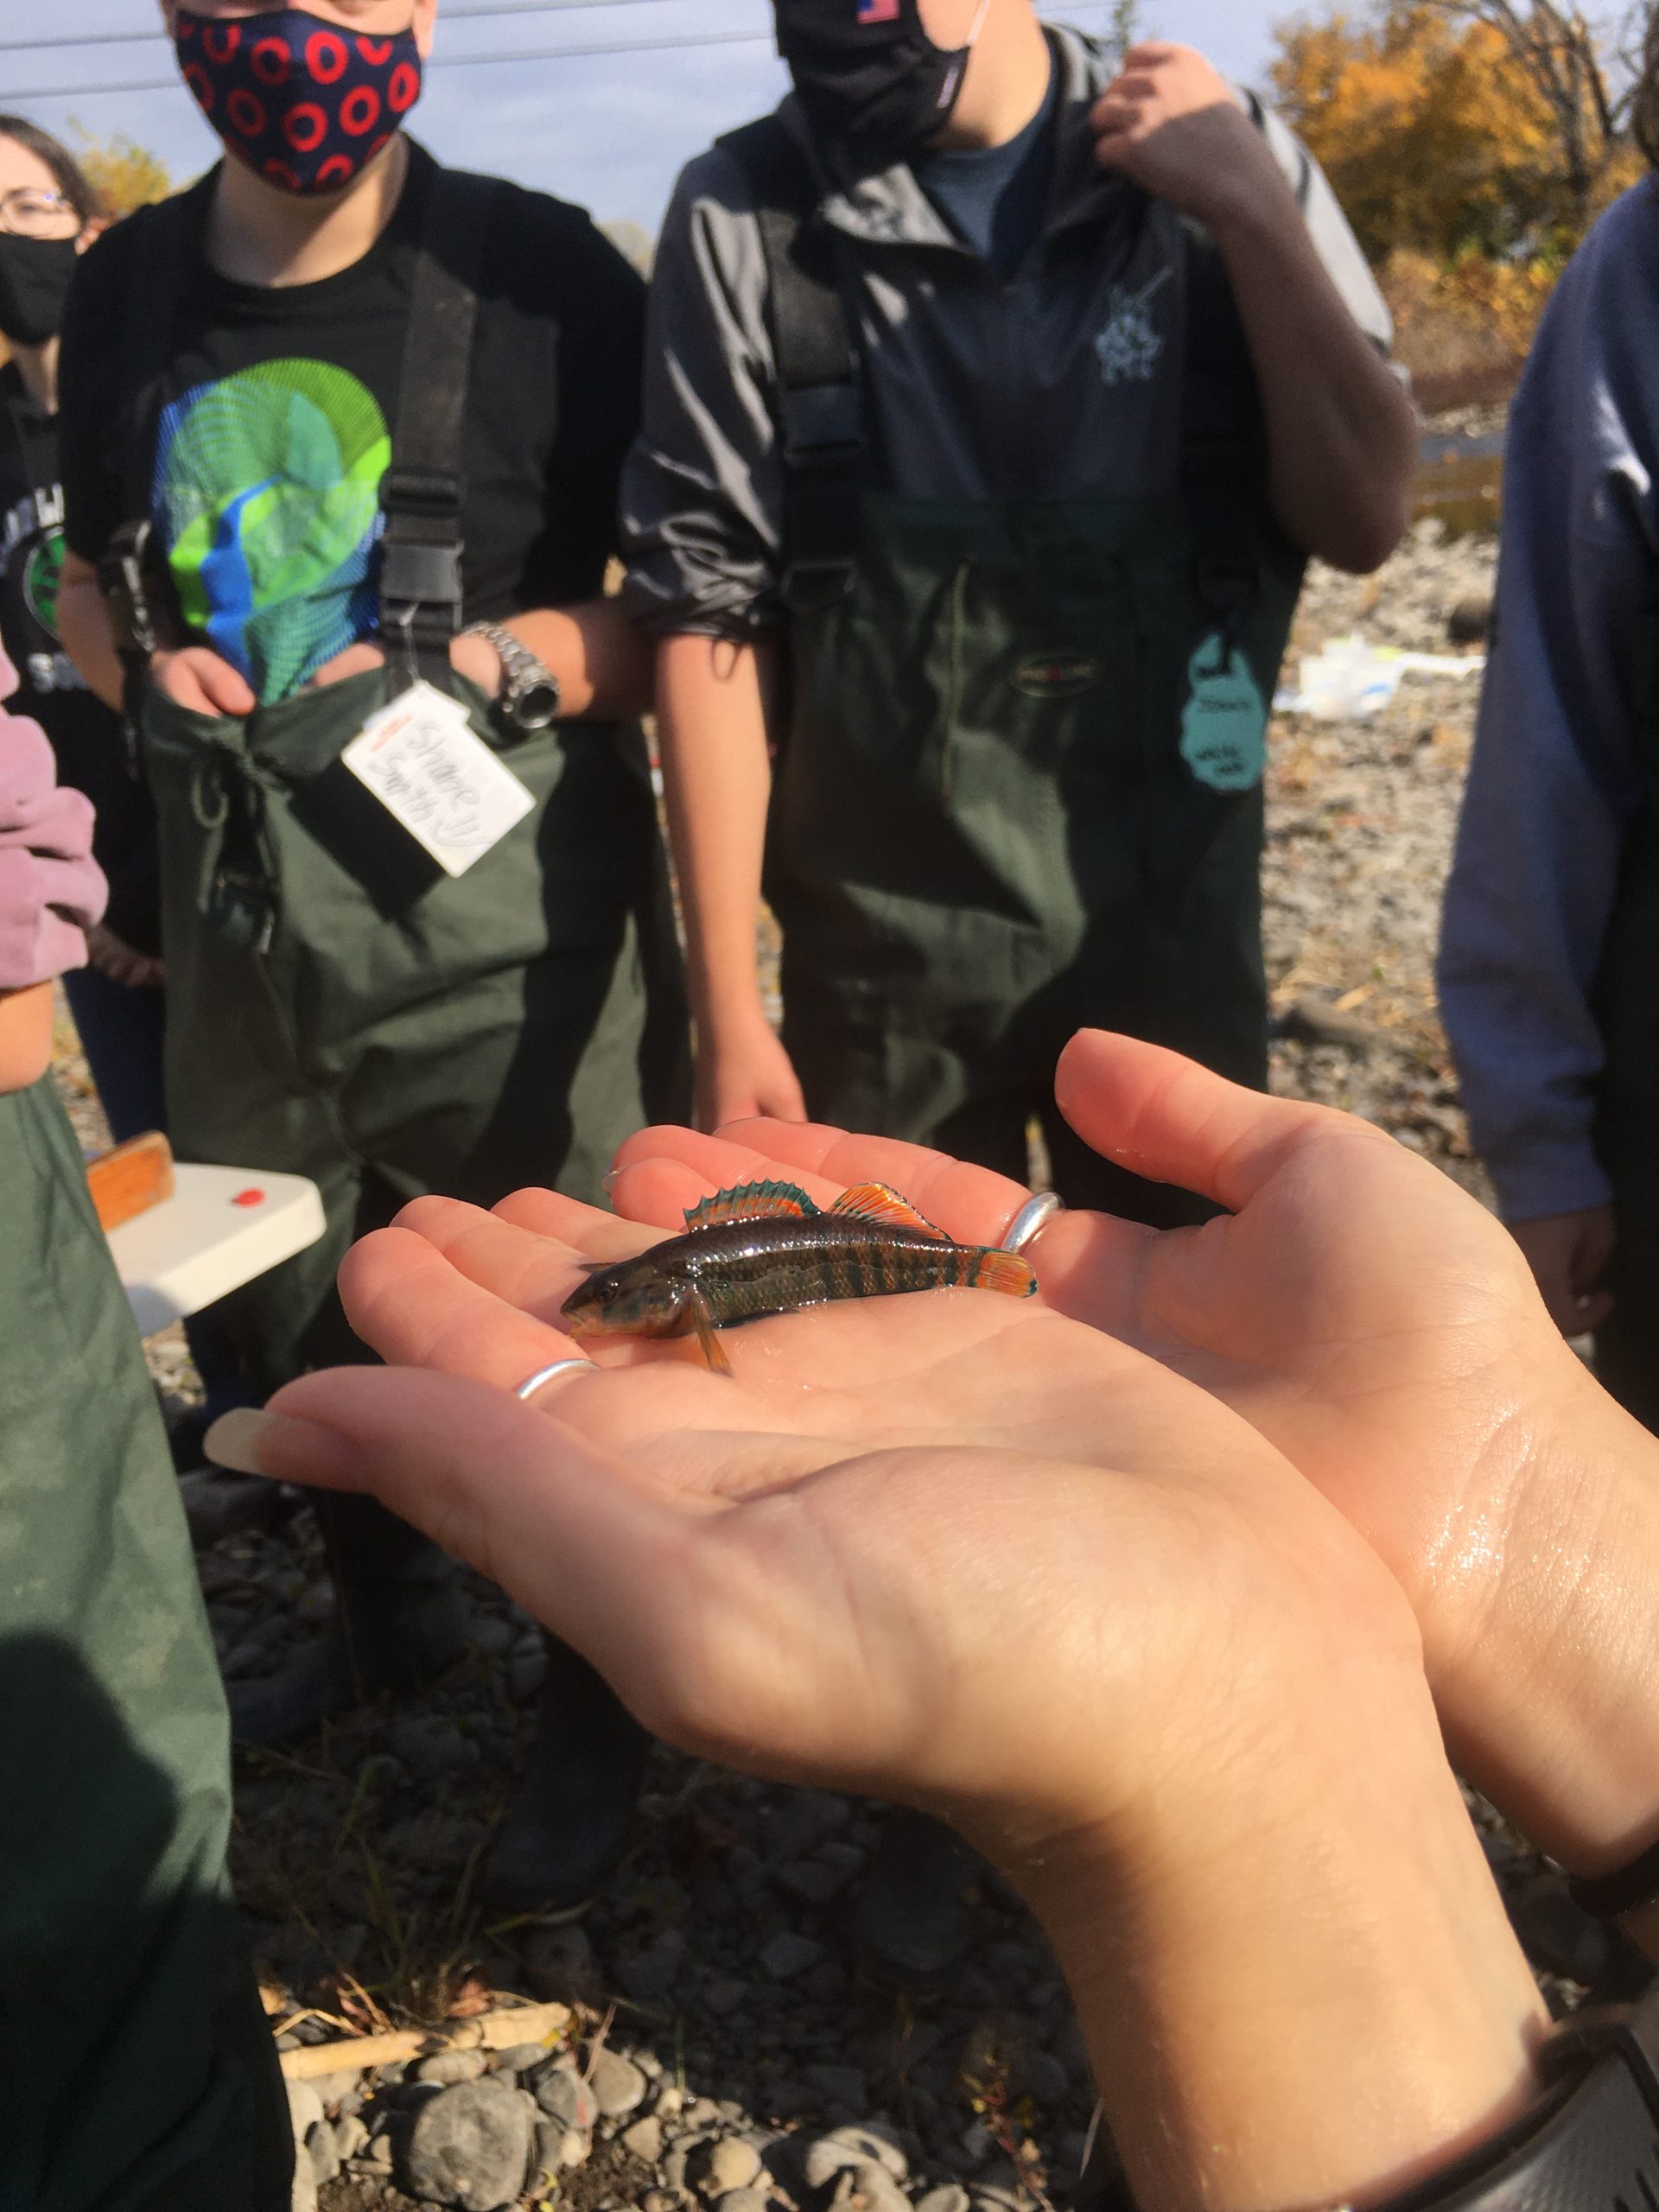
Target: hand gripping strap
423, 490
820, 396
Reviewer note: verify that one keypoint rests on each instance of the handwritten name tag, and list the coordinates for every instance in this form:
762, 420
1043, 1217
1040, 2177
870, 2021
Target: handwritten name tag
429, 769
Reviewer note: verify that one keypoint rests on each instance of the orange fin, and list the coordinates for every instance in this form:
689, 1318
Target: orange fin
875, 1202
751, 1202
1004, 1271
714, 1352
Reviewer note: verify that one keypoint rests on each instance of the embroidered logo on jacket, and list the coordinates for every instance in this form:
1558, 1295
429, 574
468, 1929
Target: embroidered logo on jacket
1130, 347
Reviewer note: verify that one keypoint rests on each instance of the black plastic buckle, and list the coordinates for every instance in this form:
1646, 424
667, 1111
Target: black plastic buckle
420, 575
430, 493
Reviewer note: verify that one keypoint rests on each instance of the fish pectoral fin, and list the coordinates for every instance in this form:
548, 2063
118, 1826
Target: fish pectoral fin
702, 1321
876, 1202
751, 1202
1004, 1271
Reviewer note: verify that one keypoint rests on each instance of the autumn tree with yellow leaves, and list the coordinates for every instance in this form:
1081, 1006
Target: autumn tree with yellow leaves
1472, 143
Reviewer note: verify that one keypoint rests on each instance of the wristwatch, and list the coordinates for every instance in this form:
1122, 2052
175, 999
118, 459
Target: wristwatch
530, 697
1591, 2144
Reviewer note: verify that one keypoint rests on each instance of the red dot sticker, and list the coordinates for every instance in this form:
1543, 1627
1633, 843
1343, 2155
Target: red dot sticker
251, 1197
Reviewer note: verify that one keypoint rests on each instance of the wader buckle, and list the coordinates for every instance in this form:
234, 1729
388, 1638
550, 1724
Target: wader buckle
823, 455
420, 556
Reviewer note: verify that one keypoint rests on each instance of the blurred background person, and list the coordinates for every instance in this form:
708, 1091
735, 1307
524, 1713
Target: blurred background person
1551, 932
137, 2067
359, 420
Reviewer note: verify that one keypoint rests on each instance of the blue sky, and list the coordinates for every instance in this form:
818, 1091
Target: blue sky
610, 132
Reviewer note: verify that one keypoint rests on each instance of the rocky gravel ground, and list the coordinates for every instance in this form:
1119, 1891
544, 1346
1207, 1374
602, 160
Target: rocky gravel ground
721, 2051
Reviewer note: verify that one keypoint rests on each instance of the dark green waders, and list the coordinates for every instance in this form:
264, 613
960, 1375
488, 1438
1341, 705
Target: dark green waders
1021, 791
342, 1009
136, 2071
1627, 1126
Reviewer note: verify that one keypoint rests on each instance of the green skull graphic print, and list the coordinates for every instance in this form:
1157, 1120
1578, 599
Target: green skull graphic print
268, 486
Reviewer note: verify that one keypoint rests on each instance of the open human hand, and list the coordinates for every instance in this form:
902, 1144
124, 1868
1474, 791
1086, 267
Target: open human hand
861, 1559
1367, 1318
972, 1553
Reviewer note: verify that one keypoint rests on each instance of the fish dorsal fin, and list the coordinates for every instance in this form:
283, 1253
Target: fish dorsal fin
875, 1202
751, 1202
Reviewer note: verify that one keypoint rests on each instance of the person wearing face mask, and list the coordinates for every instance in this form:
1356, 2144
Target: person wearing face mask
49, 215
995, 402
339, 505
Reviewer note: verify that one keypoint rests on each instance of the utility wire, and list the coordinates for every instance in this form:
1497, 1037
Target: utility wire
450, 15
174, 83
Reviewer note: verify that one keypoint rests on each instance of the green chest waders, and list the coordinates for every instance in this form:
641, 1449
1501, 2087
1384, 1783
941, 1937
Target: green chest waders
1627, 1123
337, 1005
1021, 790
137, 2072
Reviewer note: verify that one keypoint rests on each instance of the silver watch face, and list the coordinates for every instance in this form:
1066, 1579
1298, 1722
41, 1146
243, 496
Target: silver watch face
535, 705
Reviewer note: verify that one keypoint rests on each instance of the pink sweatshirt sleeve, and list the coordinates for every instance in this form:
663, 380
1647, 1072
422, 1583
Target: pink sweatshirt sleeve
52, 891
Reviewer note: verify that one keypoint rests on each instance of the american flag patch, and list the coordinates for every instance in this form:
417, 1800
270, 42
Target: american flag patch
877, 11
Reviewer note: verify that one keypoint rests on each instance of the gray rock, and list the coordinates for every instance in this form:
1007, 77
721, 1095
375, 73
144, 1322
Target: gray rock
649, 1975
332, 2088
743, 2200
525, 1675
843, 2085
853, 2146
377, 2151
867, 2188
469, 2147
977, 2141
723, 1995
564, 2096
953, 2197
813, 1880
304, 2197
729, 2164
323, 2151
304, 2108
1045, 2077
519, 2057
788, 1955
493, 1636
644, 2140
429, 1741
446, 2067
350, 2136
617, 2085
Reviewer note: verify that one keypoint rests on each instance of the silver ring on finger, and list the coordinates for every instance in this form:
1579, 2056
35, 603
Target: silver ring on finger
1032, 1219
544, 1376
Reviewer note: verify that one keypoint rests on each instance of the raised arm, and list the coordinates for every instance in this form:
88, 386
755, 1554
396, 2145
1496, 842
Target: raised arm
1341, 433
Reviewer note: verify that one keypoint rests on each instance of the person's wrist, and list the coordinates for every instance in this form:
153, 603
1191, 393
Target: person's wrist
1292, 1967
1546, 1689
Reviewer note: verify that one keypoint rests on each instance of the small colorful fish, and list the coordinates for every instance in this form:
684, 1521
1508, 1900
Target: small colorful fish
767, 1249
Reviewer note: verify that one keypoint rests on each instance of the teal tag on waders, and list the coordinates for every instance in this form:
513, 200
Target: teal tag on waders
1224, 727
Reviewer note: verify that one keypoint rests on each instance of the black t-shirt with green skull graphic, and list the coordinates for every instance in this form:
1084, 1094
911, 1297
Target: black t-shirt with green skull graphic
86, 736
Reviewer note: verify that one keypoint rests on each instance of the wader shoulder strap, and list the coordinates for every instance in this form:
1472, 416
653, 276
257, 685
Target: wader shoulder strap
1224, 443
423, 490
820, 396
131, 574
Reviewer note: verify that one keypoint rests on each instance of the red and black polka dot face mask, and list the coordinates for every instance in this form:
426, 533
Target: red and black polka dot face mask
304, 103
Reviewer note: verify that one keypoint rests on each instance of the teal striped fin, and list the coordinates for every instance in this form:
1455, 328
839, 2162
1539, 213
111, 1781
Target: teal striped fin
753, 1202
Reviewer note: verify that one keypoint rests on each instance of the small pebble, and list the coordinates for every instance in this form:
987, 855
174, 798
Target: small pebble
564, 2096
790, 1955
446, 2067
519, 2057
644, 2140
743, 2200
853, 2146
617, 2085
728, 2164
469, 2147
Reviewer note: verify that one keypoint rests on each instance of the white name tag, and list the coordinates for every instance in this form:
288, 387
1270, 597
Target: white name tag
430, 769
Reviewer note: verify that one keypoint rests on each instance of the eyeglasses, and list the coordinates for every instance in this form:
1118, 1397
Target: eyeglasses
28, 213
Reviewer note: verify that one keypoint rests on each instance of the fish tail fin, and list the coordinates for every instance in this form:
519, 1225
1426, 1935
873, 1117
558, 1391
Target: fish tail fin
1003, 1271
877, 1202
751, 1202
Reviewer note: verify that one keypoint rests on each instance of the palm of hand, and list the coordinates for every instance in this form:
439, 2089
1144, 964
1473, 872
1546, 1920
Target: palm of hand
923, 1505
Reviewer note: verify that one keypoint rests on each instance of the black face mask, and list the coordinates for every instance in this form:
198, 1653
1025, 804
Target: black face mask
35, 275
867, 74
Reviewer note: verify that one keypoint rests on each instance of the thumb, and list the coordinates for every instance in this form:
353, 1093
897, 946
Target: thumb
227, 688
582, 1541
1163, 1117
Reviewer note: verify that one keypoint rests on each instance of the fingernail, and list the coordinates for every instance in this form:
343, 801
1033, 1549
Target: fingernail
608, 1183
234, 1440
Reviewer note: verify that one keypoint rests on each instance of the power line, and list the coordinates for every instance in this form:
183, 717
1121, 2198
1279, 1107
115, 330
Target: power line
174, 83
450, 15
